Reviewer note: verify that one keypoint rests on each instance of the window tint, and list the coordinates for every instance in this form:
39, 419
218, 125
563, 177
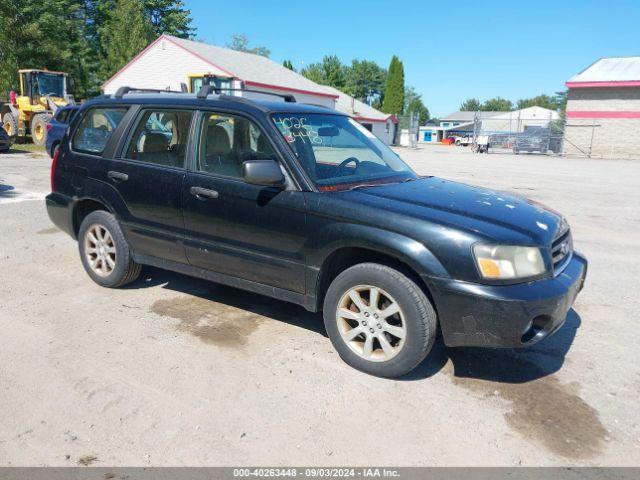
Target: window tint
227, 141
160, 137
96, 129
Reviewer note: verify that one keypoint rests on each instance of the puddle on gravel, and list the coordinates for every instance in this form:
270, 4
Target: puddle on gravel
48, 231
210, 321
546, 411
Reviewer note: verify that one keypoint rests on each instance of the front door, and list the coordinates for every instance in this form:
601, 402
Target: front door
234, 228
149, 178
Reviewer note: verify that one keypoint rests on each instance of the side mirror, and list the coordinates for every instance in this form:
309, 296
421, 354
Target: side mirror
263, 172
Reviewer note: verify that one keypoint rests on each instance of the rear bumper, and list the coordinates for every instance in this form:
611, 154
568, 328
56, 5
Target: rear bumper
507, 316
60, 210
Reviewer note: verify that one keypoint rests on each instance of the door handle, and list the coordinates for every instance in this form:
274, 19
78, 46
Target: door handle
118, 176
203, 192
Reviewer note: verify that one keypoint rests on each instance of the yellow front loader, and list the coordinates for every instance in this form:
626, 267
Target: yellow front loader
29, 111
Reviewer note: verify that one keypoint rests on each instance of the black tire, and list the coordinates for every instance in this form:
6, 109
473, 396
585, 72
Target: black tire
39, 129
10, 124
418, 314
125, 269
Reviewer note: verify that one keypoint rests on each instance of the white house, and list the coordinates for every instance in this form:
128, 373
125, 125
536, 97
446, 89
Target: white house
382, 125
169, 61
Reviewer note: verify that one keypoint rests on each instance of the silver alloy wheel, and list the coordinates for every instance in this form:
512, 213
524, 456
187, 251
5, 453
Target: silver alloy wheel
100, 250
371, 323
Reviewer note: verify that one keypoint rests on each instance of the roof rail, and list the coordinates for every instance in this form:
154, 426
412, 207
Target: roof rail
206, 90
122, 91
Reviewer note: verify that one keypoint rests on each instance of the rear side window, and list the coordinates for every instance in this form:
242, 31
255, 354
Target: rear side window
96, 129
62, 116
160, 137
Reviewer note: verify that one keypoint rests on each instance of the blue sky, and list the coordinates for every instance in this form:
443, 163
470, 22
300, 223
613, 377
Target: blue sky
451, 50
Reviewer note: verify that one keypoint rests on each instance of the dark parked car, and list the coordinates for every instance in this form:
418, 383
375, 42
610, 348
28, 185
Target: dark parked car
303, 204
536, 139
57, 127
5, 140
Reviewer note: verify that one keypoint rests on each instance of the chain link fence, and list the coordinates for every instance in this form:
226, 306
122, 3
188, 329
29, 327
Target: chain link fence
516, 133
407, 131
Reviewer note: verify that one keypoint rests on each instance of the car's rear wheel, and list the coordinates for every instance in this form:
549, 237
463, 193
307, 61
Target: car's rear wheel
104, 252
379, 320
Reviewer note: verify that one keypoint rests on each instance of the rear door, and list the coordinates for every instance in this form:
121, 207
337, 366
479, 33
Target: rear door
148, 176
247, 231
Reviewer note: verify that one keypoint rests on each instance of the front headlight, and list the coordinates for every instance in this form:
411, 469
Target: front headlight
505, 262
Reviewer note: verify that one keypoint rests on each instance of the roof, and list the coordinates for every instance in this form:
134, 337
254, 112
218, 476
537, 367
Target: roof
534, 111
467, 116
227, 101
254, 70
359, 110
609, 72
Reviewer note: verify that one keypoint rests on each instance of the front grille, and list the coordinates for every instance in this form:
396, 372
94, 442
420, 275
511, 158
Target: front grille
561, 250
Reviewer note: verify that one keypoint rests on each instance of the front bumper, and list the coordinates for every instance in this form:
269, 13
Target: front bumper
507, 315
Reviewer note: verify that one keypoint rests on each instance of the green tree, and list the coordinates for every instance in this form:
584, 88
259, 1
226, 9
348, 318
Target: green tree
240, 42
413, 105
48, 35
497, 104
330, 71
9, 24
288, 64
125, 33
394, 89
315, 73
365, 78
544, 101
470, 105
170, 17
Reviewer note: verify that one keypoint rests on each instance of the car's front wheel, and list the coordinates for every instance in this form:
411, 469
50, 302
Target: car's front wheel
104, 251
379, 320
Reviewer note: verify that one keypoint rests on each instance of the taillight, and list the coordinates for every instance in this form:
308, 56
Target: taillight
47, 127
54, 163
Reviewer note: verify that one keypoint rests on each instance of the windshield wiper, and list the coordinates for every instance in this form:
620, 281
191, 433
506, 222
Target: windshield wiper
366, 185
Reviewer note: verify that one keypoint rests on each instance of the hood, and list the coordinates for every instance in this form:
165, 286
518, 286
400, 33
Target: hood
490, 214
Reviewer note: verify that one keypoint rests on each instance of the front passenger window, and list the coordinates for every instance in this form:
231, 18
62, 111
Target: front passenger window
227, 141
160, 137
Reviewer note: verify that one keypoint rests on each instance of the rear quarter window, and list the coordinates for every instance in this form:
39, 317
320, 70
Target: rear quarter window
96, 128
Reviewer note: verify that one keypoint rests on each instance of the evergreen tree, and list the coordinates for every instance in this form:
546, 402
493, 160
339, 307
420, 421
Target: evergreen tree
288, 64
497, 104
470, 105
9, 24
394, 89
168, 16
315, 73
125, 33
365, 78
330, 72
413, 105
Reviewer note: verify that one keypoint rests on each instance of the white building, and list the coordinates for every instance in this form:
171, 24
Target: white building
603, 109
382, 125
169, 62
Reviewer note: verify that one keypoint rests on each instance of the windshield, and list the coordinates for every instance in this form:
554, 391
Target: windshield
50, 84
337, 152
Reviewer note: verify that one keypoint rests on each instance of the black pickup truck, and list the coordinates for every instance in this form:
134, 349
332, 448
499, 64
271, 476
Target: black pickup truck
303, 204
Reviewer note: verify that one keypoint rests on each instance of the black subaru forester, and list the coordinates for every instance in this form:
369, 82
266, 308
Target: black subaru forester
303, 204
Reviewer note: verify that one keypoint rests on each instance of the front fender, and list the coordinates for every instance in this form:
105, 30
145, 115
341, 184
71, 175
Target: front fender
342, 235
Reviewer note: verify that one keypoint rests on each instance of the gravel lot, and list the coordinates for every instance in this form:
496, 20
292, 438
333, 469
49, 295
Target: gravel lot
178, 371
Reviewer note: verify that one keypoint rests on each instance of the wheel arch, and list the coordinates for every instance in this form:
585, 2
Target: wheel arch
84, 207
373, 245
